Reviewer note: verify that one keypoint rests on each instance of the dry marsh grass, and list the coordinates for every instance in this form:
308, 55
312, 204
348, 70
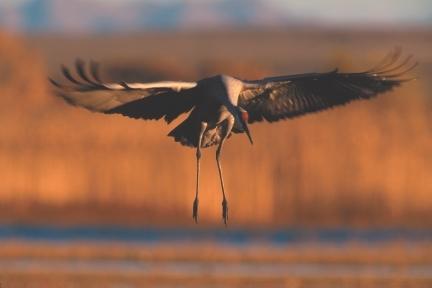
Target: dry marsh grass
366, 164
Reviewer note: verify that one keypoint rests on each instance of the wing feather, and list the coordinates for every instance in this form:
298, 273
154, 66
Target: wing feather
281, 97
154, 100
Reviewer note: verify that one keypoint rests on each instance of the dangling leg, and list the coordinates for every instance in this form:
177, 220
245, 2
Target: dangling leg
198, 157
230, 125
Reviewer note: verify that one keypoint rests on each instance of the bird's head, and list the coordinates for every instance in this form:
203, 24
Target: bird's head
243, 117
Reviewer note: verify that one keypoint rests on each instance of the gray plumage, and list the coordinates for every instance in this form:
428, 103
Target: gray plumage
221, 105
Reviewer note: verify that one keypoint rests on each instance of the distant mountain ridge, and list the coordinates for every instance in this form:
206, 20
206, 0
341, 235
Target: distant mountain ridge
104, 16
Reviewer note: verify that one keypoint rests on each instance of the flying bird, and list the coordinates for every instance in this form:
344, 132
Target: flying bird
221, 105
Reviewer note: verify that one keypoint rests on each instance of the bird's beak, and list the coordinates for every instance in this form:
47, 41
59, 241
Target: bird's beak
246, 128
249, 135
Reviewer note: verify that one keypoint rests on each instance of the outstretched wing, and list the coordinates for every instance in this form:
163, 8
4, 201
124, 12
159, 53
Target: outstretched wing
155, 100
284, 97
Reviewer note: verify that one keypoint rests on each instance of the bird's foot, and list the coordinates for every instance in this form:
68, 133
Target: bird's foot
195, 210
225, 211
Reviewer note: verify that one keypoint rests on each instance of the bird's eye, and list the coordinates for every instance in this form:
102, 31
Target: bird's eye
245, 116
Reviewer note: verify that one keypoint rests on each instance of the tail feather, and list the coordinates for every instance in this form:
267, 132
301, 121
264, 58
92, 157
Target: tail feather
187, 133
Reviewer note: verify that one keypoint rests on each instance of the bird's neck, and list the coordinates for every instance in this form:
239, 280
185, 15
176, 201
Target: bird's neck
232, 87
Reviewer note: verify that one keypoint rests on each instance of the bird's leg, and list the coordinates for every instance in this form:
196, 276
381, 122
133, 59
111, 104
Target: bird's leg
198, 157
224, 201
230, 124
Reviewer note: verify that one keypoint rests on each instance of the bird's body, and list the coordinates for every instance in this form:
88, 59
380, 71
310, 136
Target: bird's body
217, 108
221, 105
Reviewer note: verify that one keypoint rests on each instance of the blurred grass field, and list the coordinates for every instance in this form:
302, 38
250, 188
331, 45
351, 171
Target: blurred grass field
367, 164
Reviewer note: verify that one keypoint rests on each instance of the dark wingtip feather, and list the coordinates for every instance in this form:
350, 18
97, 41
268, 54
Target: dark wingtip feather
68, 75
387, 61
80, 67
396, 67
403, 72
94, 70
55, 83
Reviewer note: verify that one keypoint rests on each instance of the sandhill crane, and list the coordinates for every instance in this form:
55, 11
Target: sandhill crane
222, 105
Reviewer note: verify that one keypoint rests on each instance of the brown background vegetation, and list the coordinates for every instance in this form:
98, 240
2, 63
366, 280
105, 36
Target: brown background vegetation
366, 164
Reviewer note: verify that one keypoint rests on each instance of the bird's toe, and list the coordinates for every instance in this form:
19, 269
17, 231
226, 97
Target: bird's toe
195, 210
225, 211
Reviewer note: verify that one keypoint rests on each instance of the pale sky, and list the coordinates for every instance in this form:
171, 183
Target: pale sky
329, 11
361, 10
